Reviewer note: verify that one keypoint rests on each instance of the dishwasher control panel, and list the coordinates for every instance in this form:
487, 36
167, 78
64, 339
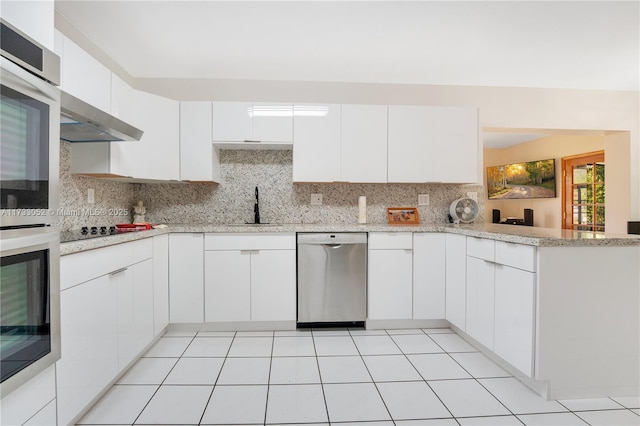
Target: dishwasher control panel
332, 238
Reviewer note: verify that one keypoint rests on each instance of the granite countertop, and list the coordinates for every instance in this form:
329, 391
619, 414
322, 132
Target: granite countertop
544, 237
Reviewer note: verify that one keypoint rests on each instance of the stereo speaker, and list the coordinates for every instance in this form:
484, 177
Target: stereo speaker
528, 217
496, 215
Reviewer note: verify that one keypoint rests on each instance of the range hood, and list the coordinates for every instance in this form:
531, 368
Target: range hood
81, 122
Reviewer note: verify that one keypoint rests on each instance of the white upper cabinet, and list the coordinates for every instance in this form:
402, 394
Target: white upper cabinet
84, 77
255, 125
316, 152
232, 122
363, 152
410, 151
34, 18
432, 144
199, 159
454, 136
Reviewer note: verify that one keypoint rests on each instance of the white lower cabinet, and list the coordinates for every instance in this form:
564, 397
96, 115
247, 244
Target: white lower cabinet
500, 310
227, 294
135, 311
250, 277
480, 304
89, 327
429, 275
514, 317
106, 321
160, 283
456, 279
186, 278
273, 285
390, 278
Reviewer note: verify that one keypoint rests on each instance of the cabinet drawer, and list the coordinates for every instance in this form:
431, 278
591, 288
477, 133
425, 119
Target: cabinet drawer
142, 250
81, 267
391, 240
518, 256
250, 241
482, 248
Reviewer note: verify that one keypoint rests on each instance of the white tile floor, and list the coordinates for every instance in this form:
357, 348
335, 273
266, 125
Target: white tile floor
321, 377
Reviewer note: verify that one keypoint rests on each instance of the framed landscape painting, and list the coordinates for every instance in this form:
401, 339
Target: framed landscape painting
533, 179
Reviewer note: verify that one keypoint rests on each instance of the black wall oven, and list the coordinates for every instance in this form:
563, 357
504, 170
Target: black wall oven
29, 235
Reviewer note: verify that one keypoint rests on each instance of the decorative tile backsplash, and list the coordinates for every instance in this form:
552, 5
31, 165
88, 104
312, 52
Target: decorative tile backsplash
282, 201
112, 198
231, 201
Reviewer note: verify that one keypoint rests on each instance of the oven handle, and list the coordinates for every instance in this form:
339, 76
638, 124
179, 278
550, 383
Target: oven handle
10, 242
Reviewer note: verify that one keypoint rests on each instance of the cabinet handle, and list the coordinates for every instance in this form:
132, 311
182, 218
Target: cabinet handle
117, 271
489, 262
250, 141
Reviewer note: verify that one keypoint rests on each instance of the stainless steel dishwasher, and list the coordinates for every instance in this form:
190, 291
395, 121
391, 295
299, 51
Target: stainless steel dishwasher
332, 278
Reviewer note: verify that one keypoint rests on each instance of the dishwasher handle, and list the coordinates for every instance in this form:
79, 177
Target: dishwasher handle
333, 246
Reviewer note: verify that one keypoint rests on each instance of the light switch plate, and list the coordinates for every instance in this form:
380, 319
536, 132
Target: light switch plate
91, 196
473, 196
423, 199
316, 199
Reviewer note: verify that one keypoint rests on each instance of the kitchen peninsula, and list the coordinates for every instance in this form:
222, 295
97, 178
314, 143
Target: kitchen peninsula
558, 309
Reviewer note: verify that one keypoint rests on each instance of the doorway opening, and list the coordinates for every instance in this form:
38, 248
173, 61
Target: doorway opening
583, 194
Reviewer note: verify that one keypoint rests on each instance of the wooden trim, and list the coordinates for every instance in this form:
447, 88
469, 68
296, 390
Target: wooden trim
568, 164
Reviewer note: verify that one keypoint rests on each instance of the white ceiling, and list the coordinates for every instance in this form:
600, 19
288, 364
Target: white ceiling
556, 44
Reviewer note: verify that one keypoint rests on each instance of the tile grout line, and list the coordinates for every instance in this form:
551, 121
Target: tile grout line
266, 403
419, 374
233, 338
165, 378
324, 396
371, 376
476, 380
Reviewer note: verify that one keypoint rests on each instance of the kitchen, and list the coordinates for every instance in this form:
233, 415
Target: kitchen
231, 199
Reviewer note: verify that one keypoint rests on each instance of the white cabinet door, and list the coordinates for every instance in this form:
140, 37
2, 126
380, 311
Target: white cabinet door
273, 285
143, 304
89, 332
264, 122
84, 77
160, 283
515, 317
123, 282
429, 275
456, 286
227, 285
232, 121
364, 143
199, 160
480, 300
316, 147
157, 155
186, 278
390, 284
34, 18
272, 122
454, 139
410, 150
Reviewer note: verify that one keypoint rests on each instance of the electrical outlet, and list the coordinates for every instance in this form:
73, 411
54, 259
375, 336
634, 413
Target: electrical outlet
423, 199
91, 196
473, 196
316, 199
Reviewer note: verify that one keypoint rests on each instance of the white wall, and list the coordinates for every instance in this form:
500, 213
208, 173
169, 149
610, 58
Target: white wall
502, 107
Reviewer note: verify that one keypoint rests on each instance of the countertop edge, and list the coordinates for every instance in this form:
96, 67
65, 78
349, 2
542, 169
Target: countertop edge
540, 237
